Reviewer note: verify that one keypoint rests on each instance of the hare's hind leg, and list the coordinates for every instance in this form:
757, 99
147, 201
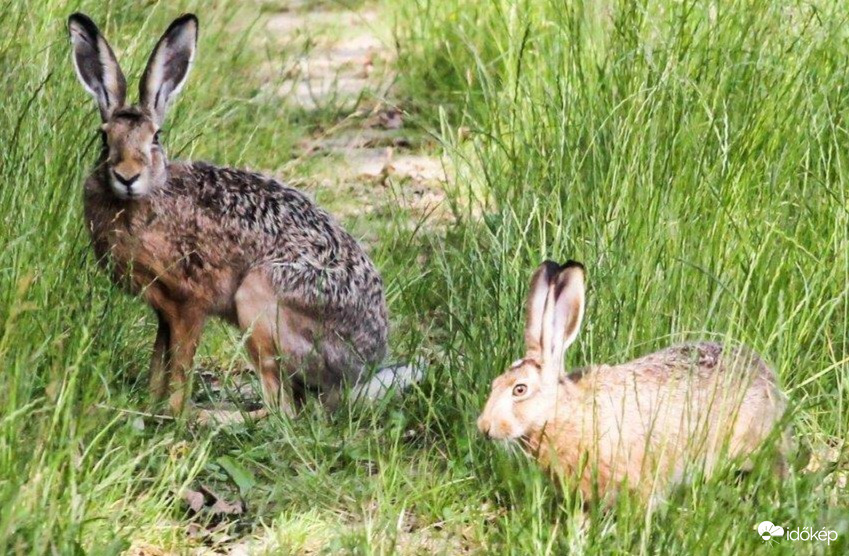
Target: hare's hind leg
259, 314
263, 351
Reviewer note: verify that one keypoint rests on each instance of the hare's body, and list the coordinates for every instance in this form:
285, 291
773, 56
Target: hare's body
198, 240
650, 422
241, 246
647, 423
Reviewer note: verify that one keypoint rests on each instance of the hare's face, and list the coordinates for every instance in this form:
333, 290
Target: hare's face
135, 161
524, 398
518, 404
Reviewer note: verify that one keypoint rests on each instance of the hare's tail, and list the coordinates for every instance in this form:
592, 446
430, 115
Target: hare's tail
392, 378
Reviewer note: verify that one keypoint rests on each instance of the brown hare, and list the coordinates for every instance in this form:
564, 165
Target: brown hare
197, 240
644, 423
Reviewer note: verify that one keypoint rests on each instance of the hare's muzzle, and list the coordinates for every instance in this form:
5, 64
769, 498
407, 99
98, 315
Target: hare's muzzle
484, 425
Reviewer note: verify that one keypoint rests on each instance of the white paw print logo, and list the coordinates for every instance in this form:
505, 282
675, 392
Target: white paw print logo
767, 531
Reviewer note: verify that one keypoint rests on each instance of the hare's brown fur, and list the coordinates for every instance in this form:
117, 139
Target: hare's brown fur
227, 243
648, 423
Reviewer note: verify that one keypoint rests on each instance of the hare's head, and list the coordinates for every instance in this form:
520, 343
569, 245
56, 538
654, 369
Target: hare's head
135, 161
524, 398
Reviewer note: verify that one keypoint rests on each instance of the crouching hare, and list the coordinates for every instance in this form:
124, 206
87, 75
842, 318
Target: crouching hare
197, 240
644, 423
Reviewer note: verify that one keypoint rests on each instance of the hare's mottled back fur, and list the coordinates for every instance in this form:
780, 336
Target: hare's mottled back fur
646, 423
198, 240
213, 226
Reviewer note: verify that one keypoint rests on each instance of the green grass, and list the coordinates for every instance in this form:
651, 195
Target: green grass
692, 154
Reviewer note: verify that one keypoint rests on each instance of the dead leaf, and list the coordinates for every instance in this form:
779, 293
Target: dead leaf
195, 531
211, 503
222, 506
194, 499
822, 458
179, 450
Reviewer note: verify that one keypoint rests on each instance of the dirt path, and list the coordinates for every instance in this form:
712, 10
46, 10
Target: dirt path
343, 74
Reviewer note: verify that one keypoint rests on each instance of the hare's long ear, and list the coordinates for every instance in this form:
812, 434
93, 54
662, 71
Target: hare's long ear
568, 309
96, 65
169, 65
536, 309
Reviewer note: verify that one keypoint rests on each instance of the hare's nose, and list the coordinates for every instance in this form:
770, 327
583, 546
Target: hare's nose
128, 181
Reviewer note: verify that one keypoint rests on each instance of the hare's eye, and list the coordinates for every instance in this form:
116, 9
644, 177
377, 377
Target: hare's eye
519, 390
156, 138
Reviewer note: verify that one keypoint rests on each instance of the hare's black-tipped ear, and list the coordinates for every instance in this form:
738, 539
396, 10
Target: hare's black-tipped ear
569, 293
536, 305
96, 65
169, 65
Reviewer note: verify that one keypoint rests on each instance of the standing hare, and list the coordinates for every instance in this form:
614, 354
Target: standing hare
196, 240
643, 423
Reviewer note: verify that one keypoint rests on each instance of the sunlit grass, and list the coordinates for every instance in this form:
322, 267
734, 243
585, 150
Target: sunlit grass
692, 154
